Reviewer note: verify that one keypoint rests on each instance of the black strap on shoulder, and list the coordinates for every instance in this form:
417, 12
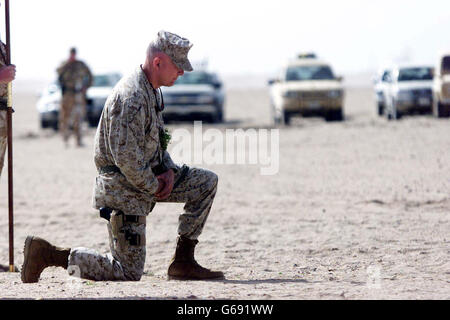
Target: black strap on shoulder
159, 107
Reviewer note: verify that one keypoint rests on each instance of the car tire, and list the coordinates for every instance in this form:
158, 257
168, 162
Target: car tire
380, 109
286, 118
93, 122
440, 110
396, 115
334, 115
44, 124
218, 118
215, 117
55, 125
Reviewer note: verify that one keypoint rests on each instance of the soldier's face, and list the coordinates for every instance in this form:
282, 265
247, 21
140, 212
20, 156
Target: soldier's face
169, 72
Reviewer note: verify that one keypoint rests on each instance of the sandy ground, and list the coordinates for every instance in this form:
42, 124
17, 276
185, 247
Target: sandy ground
358, 210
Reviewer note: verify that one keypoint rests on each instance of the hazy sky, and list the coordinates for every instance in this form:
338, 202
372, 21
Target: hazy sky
236, 36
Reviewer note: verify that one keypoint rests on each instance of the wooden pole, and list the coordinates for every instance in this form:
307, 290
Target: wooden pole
10, 148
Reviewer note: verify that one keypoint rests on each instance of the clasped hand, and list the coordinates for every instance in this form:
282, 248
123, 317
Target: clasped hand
7, 73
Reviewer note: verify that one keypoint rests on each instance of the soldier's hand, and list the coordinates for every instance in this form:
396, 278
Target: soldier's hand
166, 182
7, 73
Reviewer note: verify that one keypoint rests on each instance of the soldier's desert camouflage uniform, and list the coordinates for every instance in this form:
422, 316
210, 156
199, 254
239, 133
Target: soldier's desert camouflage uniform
74, 76
128, 137
3, 124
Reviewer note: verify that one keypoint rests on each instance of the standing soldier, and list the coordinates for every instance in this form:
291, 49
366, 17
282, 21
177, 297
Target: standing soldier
7, 74
135, 171
75, 78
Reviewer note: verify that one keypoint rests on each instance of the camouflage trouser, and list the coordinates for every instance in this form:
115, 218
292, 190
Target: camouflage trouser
72, 113
127, 257
3, 144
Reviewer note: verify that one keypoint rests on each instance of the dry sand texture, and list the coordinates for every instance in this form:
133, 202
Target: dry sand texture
358, 210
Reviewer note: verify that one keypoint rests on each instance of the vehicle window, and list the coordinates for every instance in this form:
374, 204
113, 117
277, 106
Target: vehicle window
386, 76
446, 65
105, 80
195, 78
411, 74
300, 73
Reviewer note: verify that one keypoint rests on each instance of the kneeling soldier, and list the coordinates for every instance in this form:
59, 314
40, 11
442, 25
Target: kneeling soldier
135, 171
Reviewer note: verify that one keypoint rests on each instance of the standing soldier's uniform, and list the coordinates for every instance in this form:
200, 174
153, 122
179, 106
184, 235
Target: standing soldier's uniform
129, 155
3, 112
74, 78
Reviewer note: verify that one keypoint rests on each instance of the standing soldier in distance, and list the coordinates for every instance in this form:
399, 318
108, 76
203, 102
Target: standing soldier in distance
135, 171
75, 78
7, 74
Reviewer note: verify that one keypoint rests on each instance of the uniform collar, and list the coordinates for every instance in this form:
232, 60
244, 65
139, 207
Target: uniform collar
143, 79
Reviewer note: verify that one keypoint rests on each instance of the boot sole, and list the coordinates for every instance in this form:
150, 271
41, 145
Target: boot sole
194, 279
26, 252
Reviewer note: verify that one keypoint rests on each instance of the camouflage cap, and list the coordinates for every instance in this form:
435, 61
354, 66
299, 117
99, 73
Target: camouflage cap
175, 47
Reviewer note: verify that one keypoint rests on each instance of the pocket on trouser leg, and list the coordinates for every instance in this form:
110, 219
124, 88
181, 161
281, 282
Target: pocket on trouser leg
128, 244
126, 235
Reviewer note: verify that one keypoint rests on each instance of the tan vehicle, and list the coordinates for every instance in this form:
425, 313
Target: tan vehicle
307, 87
441, 87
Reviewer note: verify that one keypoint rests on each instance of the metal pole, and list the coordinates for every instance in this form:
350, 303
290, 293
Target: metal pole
10, 148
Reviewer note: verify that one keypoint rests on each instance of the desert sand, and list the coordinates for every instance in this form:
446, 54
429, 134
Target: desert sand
358, 210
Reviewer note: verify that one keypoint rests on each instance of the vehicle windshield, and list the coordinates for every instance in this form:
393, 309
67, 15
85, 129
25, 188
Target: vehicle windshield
300, 73
413, 74
105, 80
195, 78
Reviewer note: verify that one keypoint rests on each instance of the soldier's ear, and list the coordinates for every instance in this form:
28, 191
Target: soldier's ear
156, 62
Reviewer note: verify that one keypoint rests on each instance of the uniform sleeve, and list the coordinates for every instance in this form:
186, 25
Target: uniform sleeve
89, 76
127, 143
61, 68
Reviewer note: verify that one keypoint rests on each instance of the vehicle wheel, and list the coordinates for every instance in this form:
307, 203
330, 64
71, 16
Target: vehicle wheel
93, 122
55, 126
286, 118
217, 117
334, 115
380, 109
44, 124
440, 110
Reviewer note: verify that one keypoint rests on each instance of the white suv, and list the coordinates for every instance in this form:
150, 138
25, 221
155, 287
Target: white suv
410, 90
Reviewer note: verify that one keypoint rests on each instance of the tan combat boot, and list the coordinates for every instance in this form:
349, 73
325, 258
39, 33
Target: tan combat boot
40, 254
184, 266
